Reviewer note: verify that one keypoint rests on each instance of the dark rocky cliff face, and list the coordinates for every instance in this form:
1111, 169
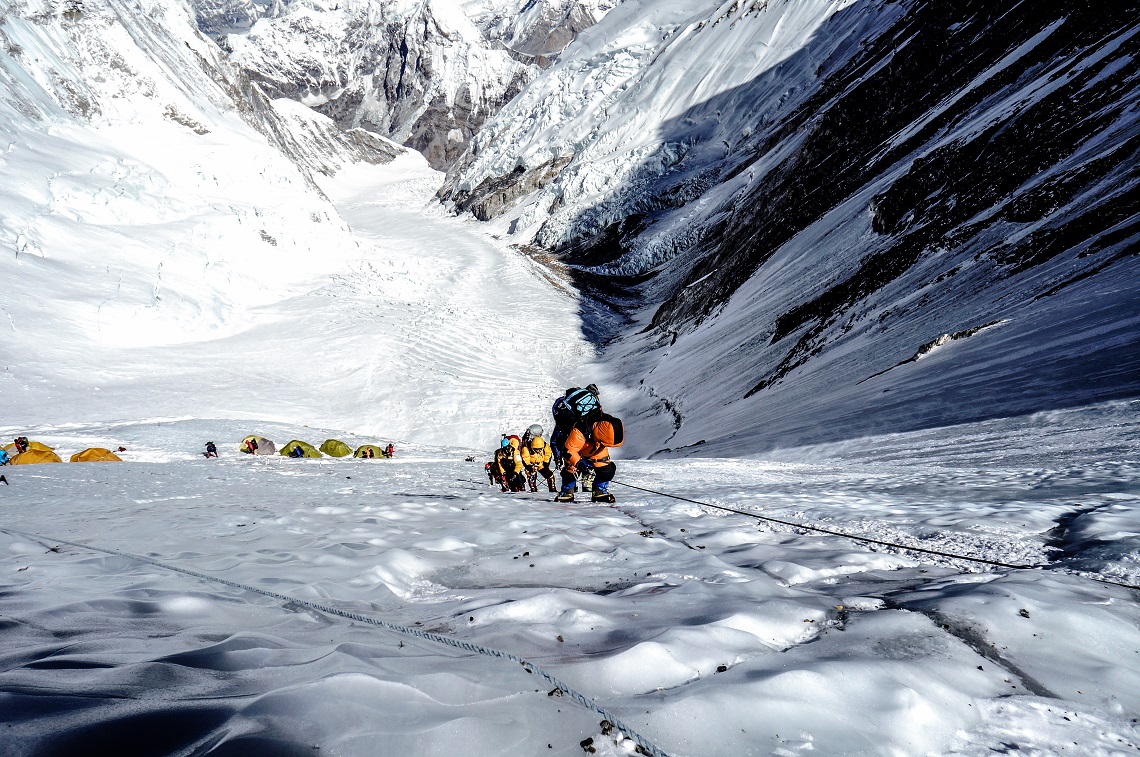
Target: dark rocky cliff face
970, 165
890, 107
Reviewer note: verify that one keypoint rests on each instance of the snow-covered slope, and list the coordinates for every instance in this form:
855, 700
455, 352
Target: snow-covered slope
164, 229
708, 632
142, 202
837, 218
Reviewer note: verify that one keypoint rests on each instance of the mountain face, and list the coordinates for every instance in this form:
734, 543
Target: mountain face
423, 74
819, 220
152, 197
217, 18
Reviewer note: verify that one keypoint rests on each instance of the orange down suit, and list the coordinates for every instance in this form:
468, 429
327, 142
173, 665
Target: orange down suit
596, 450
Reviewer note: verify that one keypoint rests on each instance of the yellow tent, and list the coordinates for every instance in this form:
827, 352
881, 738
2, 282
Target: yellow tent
369, 451
307, 450
34, 456
96, 455
336, 448
12, 451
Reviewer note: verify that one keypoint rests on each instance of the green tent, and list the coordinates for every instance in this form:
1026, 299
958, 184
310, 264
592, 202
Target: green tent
308, 449
364, 449
336, 448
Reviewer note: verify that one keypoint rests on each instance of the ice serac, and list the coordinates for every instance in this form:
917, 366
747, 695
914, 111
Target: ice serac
421, 74
217, 18
825, 220
538, 29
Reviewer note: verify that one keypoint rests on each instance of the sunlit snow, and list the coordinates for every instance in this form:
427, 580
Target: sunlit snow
167, 284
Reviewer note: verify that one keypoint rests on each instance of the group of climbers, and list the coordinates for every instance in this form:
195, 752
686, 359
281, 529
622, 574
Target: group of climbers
519, 461
579, 446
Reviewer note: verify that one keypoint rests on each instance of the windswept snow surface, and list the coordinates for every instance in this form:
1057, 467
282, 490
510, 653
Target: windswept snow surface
707, 632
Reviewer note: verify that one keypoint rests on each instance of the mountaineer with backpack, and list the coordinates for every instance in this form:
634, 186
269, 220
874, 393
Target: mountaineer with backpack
536, 457
585, 435
508, 467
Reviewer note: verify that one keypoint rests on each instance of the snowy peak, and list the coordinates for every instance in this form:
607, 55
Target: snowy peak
425, 74
217, 18
598, 111
421, 73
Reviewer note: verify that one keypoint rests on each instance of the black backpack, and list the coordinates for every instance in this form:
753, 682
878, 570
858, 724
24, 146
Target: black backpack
578, 406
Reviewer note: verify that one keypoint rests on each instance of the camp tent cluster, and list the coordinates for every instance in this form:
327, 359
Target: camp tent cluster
259, 445
36, 453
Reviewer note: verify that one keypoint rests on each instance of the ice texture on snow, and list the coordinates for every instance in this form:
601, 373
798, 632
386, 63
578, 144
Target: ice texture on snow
665, 612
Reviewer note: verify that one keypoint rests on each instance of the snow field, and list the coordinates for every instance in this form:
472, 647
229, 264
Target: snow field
710, 633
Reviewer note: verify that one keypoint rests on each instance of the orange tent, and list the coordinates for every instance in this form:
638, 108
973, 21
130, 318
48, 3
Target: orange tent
12, 451
96, 455
34, 456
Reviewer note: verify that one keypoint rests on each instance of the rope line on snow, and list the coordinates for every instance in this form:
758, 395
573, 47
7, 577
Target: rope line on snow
867, 539
648, 747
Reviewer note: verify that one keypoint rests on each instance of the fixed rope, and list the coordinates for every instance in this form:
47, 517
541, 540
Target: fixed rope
646, 746
867, 539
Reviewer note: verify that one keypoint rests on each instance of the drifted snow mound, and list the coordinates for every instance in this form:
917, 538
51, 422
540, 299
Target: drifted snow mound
803, 195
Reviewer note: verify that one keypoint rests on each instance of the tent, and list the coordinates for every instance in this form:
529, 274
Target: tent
377, 452
308, 449
96, 455
12, 451
336, 448
264, 446
34, 456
